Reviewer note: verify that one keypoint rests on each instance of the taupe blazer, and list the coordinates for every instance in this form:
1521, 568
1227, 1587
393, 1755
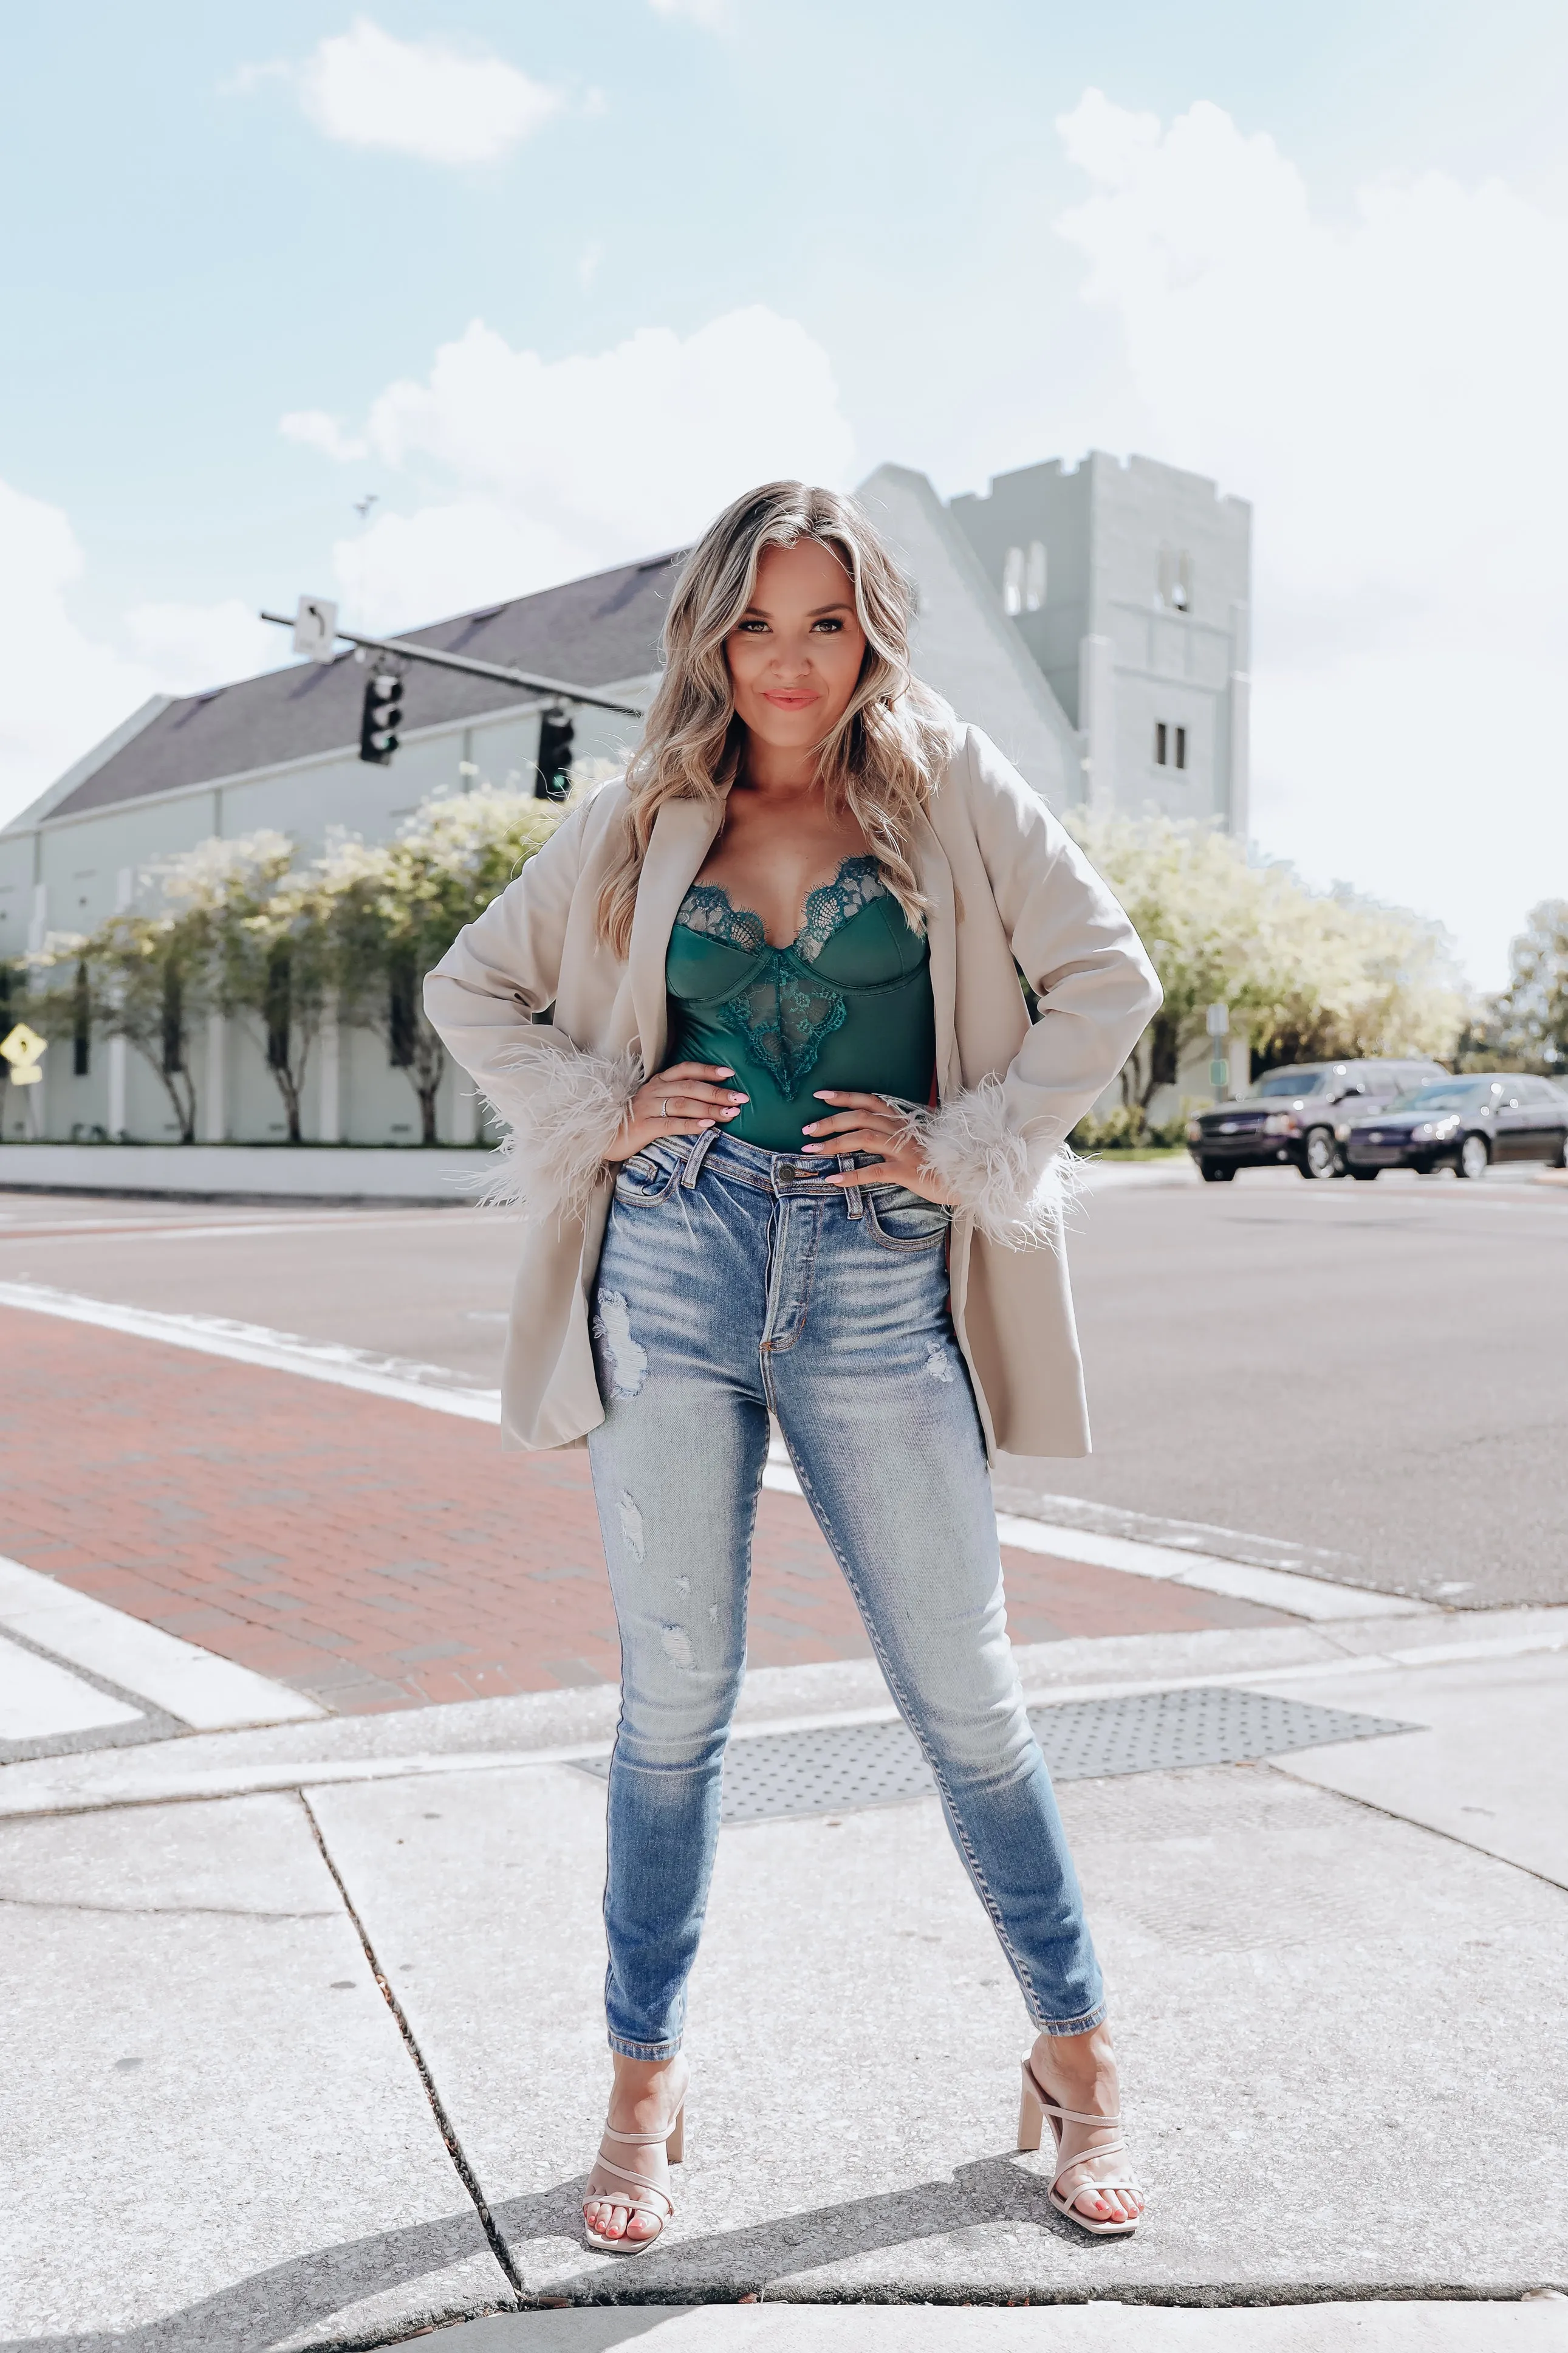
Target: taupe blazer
1009, 891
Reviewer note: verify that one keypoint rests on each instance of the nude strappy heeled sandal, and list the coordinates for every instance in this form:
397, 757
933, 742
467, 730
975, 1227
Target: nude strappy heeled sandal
1035, 2106
674, 2144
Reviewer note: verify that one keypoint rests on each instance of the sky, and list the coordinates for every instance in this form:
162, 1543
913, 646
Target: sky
546, 286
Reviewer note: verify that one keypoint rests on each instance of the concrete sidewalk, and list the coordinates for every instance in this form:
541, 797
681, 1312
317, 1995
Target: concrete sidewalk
255, 1172
302, 2042
1100, 2328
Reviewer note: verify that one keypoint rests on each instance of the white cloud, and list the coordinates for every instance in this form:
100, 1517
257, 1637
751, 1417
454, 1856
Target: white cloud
246, 79
556, 467
407, 569
63, 690
426, 99
314, 429
713, 14
1386, 389
190, 647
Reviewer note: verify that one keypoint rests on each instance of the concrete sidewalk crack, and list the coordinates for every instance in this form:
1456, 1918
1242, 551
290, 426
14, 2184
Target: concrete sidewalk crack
444, 2124
1413, 1822
157, 1911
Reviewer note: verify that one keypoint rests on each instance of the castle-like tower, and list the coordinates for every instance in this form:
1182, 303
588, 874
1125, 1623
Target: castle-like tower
1130, 584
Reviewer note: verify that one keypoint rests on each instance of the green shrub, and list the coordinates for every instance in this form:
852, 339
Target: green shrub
1128, 1128
1125, 1129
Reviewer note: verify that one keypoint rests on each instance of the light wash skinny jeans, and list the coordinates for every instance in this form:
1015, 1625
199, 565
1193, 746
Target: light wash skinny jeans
734, 1280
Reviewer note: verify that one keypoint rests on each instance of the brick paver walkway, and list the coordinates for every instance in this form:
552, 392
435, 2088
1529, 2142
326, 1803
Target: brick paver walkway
379, 1556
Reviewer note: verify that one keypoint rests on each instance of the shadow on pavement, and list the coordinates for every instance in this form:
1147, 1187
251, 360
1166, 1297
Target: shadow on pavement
726, 2264
292, 2298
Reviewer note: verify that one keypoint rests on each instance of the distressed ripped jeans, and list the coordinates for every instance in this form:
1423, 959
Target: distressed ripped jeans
734, 1280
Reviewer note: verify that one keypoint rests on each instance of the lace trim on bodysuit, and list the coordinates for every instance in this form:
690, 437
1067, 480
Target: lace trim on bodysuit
829, 907
785, 1013
707, 908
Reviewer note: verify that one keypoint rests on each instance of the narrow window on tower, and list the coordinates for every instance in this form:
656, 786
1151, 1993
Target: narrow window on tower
1012, 581
81, 1024
174, 1021
402, 1018
1035, 576
1174, 579
1181, 748
1160, 742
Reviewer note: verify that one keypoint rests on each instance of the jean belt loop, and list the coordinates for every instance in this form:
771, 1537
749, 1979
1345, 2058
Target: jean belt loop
852, 1193
696, 1157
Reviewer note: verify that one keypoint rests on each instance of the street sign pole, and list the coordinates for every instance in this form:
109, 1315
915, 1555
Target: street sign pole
1217, 1022
316, 615
23, 1050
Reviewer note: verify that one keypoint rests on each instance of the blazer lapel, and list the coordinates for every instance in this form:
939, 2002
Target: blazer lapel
934, 876
682, 835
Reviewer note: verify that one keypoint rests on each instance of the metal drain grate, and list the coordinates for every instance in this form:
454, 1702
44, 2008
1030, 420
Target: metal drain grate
835, 1768
1159, 1732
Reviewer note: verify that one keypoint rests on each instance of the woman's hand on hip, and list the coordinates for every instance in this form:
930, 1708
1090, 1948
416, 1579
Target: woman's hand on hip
681, 1100
870, 1124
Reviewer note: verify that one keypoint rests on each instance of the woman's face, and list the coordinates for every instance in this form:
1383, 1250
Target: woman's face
795, 655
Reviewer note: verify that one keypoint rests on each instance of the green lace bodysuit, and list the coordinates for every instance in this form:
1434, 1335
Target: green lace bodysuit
848, 1004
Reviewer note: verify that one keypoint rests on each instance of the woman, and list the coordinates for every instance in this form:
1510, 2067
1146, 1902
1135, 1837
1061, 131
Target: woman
789, 1143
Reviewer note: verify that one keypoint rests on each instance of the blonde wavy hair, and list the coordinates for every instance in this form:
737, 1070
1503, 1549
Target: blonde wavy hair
882, 760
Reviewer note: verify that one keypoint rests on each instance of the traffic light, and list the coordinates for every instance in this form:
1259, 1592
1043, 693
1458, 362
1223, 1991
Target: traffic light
381, 718
552, 777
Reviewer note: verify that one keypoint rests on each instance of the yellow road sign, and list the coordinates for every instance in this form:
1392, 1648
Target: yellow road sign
23, 1050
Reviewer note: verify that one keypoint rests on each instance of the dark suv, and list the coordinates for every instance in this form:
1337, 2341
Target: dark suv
1292, 1114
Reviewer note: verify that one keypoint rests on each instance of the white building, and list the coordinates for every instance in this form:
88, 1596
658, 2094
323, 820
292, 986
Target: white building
1092, 620
1130, 584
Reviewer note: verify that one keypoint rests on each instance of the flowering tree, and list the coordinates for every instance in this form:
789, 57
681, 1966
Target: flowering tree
389, 911
145, 978
1314, 975
258, 936
247, 931
1528, 1020
238, 933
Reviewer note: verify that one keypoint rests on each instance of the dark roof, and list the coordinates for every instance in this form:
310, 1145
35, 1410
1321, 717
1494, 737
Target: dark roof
589, 633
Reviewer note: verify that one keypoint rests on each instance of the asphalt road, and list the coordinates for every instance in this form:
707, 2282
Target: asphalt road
1380, 1373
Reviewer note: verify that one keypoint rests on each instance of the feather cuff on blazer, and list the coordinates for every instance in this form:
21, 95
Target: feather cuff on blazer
562, 1111
967, 1146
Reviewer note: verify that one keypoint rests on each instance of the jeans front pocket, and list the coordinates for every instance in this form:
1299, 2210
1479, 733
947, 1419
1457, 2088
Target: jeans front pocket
902, 1220
645, 1177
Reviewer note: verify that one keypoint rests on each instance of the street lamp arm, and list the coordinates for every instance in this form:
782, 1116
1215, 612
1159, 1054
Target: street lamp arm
507, 676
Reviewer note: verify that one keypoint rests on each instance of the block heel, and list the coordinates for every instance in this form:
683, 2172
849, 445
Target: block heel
1035, 2109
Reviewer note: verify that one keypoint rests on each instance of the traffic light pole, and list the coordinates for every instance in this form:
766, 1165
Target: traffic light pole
507, 677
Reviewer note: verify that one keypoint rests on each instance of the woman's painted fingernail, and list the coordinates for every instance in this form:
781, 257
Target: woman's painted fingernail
726, 1072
